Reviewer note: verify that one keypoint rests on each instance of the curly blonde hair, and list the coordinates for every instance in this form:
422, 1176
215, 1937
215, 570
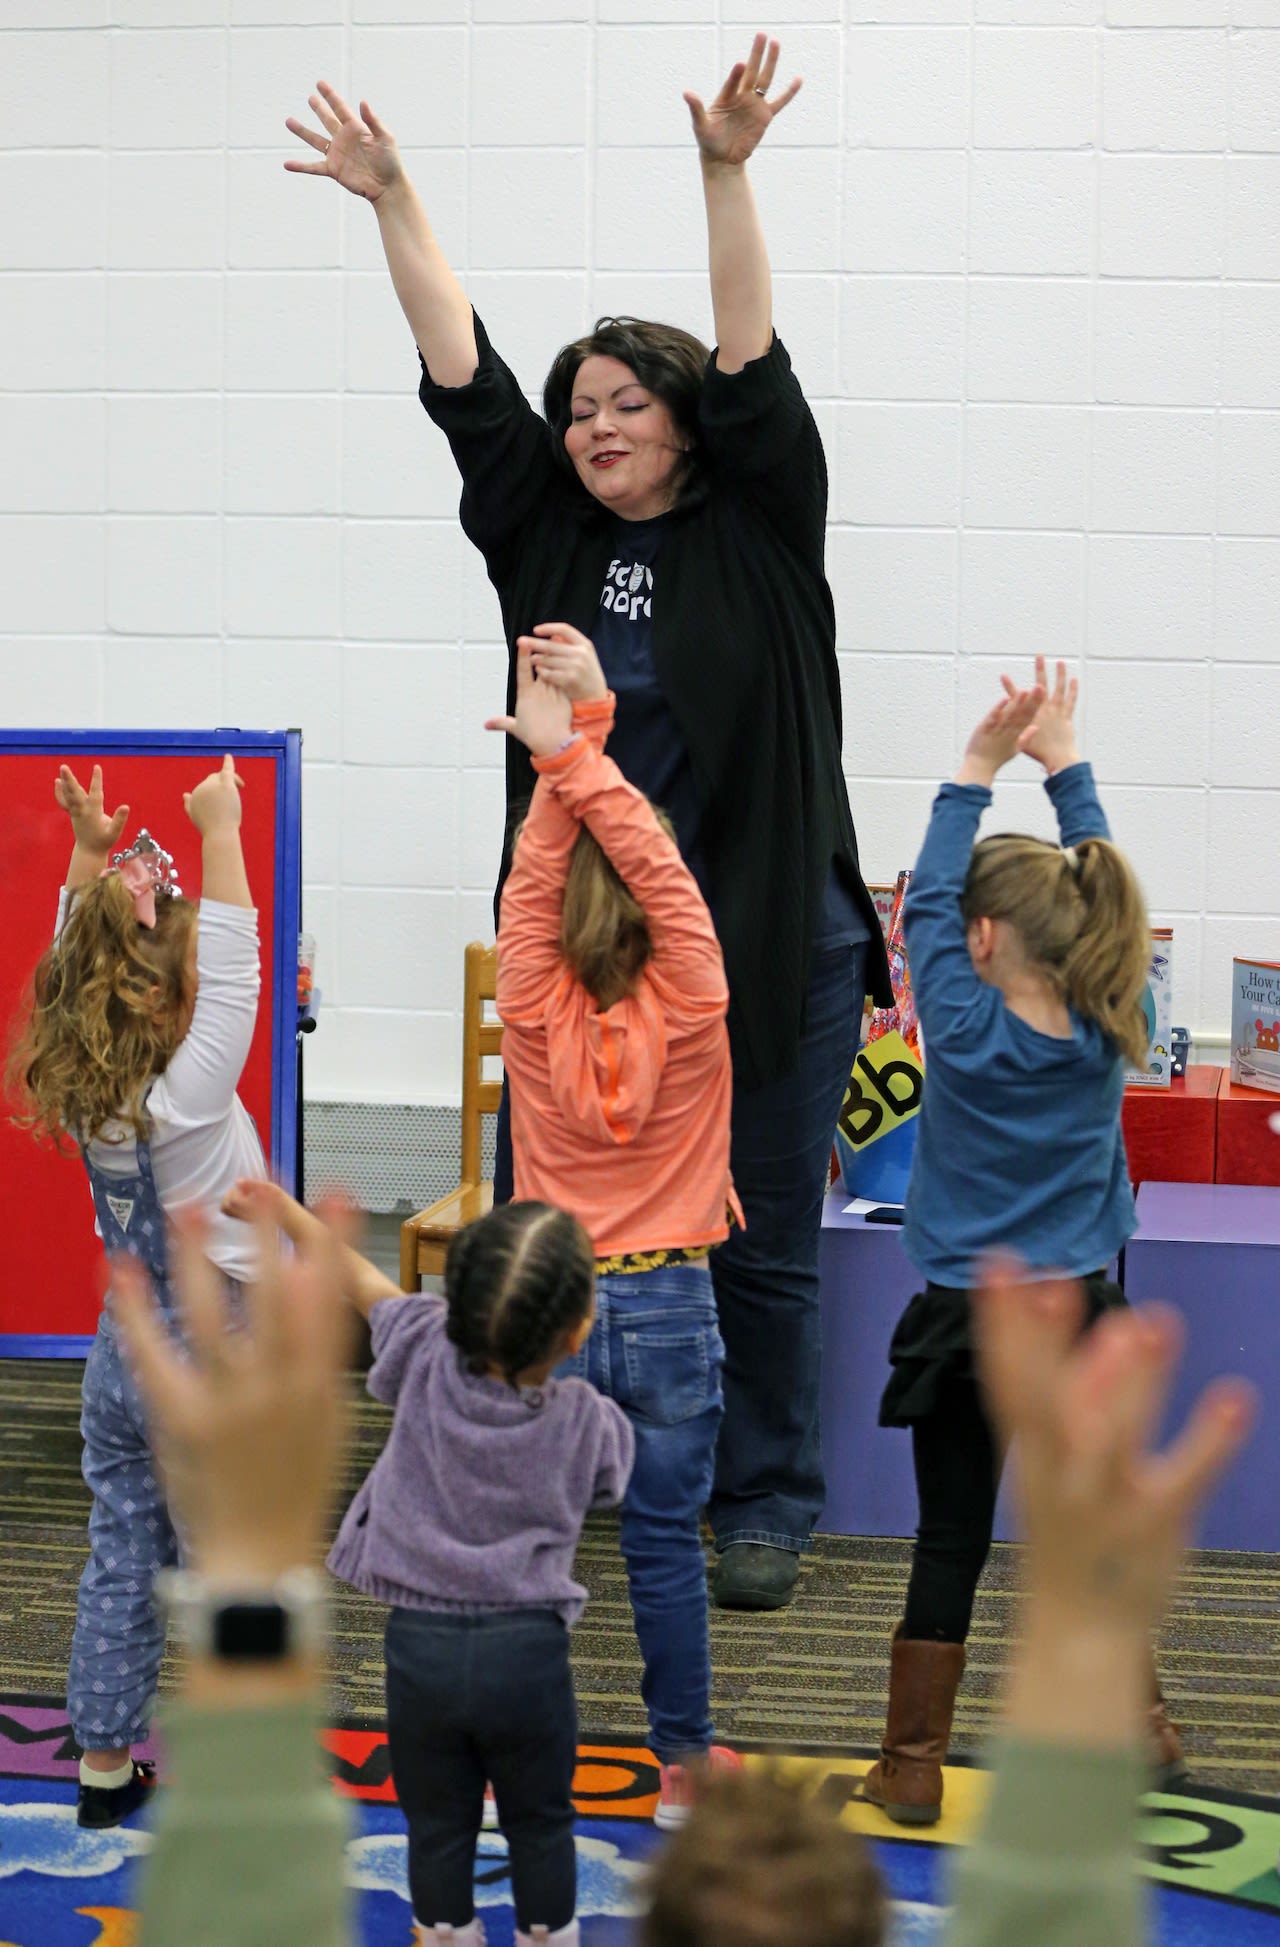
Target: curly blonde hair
103, 1017
1082, 919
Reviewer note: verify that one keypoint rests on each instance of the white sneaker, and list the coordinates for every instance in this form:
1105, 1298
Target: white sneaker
539, 1937
472, 1935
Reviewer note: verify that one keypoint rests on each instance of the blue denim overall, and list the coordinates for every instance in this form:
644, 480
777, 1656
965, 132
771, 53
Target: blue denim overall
119, 1638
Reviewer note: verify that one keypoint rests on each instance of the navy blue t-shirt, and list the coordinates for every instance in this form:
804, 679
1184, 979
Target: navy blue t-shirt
645, 742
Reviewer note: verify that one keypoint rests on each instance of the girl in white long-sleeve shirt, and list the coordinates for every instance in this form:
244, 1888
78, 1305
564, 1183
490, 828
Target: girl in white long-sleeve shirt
143, 1011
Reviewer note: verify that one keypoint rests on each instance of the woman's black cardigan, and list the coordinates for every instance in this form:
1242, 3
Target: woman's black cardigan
743, 644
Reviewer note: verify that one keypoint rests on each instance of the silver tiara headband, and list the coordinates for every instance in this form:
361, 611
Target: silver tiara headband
154, 860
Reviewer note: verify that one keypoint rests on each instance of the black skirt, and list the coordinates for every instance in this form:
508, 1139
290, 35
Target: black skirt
933, 1345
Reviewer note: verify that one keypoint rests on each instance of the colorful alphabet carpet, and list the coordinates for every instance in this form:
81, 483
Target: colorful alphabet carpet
1212, 1855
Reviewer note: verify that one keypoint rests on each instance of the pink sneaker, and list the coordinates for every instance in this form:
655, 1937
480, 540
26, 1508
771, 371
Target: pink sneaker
680, 1786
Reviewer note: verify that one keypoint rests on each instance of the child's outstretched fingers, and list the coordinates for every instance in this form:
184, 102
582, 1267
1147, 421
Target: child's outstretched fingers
161, 1371
95, 832
1025, 1332
525, 679
263, 1301
1220, 1422
565, 657
204, 1312
250, 1197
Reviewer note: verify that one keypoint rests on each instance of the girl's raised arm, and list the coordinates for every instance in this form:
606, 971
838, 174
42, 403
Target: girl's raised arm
946, 986
359, 152
201, 1080
214, 809
529, 959
727, 133
1051, 740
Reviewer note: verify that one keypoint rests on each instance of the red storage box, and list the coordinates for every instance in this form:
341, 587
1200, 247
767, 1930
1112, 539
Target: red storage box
1171, 1134
1248, 1147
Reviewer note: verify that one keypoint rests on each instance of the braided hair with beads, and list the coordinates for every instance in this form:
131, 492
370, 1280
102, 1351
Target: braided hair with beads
515, 1283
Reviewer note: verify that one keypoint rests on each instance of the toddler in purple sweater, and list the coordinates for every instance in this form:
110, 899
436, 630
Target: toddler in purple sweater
467, 1526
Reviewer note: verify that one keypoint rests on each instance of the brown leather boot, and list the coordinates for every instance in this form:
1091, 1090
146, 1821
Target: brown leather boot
1164, 1746
906, 1781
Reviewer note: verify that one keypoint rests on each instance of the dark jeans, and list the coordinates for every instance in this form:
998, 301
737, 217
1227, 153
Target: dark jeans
958, 1468
655, 1348
768, 1482
483, 1698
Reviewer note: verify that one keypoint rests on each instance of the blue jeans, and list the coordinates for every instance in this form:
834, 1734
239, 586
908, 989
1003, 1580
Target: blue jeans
769, 1484
655, 1348
476, 1698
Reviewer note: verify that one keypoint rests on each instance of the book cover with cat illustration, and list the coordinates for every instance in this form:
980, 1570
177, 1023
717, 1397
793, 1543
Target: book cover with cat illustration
1255, 1023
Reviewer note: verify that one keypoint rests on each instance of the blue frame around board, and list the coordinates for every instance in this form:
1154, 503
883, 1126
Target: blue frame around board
285, 746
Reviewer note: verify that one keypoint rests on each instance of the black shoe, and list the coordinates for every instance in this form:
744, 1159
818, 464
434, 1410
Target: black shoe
101, 1805
754, 1575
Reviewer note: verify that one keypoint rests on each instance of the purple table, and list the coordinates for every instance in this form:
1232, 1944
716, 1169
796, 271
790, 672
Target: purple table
1213, 1251
866, 1281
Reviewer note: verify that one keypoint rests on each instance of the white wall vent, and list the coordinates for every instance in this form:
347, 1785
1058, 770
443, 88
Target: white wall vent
391, 1157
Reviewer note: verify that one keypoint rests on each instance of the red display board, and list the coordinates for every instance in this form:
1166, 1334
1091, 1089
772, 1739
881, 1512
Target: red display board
51, 1266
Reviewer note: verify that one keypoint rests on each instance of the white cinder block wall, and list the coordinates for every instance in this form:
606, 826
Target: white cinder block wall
1028, 265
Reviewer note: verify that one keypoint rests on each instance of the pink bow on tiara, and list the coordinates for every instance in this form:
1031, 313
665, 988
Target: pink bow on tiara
146, 869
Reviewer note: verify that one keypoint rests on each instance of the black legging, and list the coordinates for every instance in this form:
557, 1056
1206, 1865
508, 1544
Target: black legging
957, 1477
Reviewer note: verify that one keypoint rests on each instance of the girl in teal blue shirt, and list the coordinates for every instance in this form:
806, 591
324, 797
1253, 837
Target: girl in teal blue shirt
1028, 962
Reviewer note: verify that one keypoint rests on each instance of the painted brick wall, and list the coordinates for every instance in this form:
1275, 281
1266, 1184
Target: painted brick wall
1028, 266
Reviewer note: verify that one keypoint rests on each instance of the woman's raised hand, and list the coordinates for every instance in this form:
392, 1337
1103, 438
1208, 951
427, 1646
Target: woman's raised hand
95, 831
730, 129
567, 659
543, 721
356, 150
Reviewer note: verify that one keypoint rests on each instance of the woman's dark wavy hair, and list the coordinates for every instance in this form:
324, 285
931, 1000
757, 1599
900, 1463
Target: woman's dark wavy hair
667, 361
514, 1283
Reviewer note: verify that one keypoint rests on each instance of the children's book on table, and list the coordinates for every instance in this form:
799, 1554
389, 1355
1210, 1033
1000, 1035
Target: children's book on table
1255, 1023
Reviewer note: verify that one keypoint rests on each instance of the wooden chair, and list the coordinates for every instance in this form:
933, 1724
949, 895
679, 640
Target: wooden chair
425, 1239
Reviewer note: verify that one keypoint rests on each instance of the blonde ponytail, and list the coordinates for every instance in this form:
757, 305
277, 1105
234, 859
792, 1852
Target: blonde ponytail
1106, 969
1082, 920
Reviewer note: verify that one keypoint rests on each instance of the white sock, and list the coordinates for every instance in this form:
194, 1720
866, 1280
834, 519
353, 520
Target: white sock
472, 1935
106, 1780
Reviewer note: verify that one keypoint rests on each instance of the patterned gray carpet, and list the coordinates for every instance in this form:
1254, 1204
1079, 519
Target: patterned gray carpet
812, 1675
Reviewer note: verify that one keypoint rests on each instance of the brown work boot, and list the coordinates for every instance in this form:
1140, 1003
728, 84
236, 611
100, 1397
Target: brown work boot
1165, 1760
906, 1780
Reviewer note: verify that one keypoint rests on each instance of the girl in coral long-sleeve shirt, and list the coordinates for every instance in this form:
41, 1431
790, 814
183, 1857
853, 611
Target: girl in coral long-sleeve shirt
613, 997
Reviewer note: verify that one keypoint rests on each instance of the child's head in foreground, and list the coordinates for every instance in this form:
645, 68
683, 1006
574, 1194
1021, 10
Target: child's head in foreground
1079, 919
760, 1864
519, 1286
112, 999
